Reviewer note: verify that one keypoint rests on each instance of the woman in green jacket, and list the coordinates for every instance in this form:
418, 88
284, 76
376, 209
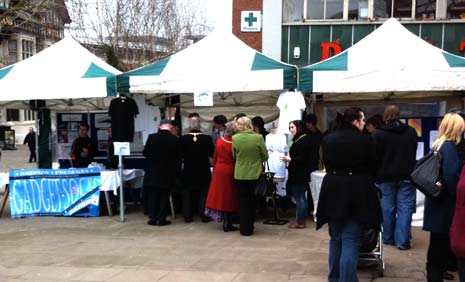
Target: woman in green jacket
250, 152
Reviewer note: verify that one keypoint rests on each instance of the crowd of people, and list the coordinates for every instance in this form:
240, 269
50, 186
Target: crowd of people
367, 183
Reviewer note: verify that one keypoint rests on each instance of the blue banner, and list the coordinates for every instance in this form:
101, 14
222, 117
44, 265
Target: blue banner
57, 192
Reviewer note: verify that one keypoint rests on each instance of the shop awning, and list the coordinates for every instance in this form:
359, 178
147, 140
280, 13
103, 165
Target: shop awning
391, 59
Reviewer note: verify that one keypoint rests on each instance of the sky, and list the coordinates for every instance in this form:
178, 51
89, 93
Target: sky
218, 13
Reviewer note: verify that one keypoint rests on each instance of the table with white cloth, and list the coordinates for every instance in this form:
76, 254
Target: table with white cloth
315, 188
109, 181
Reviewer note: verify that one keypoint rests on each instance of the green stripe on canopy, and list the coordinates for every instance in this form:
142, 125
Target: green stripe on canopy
338, 62
453, 60
262, 62
96, 71
5, 71
150, 70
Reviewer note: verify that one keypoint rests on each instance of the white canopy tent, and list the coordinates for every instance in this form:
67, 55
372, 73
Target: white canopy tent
242, 79
65, 74
218, 63
391, 61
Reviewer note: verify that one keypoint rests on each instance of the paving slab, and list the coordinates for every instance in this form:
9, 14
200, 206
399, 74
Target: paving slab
103, 249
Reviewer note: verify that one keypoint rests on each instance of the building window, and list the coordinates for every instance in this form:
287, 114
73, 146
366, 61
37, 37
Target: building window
12, 51
402, 8
293, 10
456, 9
325, 9
425, 9
5, 4
28, 115
12, 115
393, 8
28, 48
358, 9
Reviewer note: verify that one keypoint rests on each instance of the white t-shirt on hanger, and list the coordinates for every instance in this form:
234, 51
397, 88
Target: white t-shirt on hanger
276, 144
290, 104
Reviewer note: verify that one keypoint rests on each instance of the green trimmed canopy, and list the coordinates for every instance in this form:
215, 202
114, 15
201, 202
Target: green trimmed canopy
218, 63
390, 59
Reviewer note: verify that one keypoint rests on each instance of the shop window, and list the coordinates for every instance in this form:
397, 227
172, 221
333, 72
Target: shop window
28, 48
358, 9
425, 9
12, 115
325, 9
392, 8
293, 10
456, 9
382, 9
12, 51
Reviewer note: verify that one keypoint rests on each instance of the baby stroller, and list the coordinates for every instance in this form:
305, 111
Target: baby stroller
371, 252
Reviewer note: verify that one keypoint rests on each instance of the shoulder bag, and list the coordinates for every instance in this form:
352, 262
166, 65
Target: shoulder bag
427, 174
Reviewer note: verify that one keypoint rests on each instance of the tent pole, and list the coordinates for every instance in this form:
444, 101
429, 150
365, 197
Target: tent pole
121, 194
36, 115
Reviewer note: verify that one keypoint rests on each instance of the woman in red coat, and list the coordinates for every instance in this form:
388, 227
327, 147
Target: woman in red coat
457, 230
223, 196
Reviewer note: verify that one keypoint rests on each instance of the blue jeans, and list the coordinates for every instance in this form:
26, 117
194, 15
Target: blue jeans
344, 248
300, 206
398, 204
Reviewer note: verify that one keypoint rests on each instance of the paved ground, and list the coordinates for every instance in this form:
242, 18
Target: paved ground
103, 249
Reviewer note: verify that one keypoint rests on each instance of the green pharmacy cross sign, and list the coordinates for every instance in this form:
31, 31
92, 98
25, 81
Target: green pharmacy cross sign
251, 21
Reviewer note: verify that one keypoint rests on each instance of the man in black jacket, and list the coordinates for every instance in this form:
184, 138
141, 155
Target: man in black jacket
30, 140
396, 146
83, 148
197, 149
162, 151
315, 138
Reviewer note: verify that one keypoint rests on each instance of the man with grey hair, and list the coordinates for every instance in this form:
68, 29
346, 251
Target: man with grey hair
163, 154
197, 149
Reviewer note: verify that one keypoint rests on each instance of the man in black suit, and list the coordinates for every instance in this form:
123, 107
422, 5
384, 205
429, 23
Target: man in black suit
162, 151
197, 149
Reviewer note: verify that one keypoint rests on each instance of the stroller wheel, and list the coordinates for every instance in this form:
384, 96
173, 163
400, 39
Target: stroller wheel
380, 267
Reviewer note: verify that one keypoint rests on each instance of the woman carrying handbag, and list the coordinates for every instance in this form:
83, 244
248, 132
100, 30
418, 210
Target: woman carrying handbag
439, 210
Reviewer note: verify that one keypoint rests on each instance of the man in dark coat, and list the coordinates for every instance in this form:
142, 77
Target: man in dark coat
162, 151
30, 140
83, 148
396, 148
315, 136
197, 149
348, 200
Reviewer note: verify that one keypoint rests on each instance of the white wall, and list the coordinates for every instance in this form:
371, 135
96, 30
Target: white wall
272, 26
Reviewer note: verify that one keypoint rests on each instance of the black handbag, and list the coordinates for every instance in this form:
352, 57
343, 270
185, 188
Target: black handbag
265, 185
427, 174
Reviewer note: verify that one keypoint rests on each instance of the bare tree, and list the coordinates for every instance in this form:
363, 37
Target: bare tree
139, 31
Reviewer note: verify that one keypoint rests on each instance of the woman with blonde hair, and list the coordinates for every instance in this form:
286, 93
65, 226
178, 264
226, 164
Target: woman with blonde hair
250, 152
439, 211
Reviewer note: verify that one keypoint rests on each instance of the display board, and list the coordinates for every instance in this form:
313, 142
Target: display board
426, 128
99, 122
